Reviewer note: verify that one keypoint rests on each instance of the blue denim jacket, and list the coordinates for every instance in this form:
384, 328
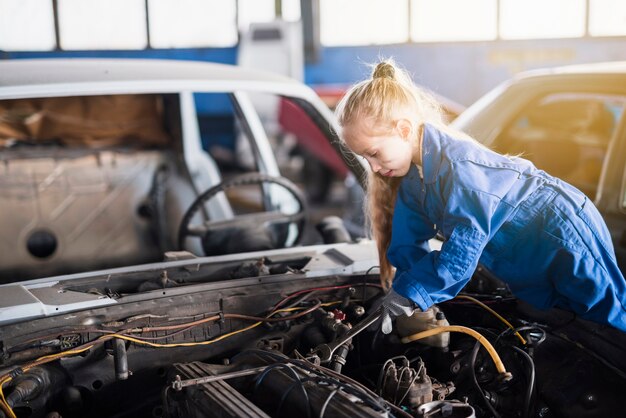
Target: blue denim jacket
540, 235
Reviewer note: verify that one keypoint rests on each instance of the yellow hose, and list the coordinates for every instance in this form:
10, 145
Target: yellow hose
3, 402
494, 313
504, 375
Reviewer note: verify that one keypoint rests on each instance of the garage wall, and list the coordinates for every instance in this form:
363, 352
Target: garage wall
464, 71
461, 71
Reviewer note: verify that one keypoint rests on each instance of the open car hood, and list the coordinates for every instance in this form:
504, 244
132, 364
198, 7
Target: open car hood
62, 295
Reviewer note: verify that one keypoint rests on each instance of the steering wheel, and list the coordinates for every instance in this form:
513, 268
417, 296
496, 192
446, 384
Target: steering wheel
246, 232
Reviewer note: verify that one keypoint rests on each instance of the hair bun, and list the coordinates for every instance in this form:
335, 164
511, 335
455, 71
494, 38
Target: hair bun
384, 69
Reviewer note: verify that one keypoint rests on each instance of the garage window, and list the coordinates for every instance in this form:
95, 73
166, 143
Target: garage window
363, 22
533, 19
95, 24
192, 23
471, 21
255, 11
26, 25
607, 17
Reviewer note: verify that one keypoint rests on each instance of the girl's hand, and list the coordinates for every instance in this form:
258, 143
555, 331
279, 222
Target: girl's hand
394, 305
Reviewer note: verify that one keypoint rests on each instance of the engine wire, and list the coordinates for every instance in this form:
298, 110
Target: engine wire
346, 383
528, 404
346, 286
475, 380
355, 384
408, 389
382, 377
109, 335
327, 401
531, 381
297, 380
530, 343
494, 313
6, 378
301, 382
3, 402
327, 376
236, 316
170, 335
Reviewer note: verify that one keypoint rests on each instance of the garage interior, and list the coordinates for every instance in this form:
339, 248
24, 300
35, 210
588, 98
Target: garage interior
183, 230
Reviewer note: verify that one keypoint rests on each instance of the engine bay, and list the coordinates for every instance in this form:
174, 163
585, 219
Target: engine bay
253, 346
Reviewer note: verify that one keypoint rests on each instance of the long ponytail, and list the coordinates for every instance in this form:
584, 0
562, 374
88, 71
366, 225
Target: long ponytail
388, 95
379, 205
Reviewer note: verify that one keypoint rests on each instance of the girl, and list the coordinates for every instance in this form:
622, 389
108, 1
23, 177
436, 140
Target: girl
540, 235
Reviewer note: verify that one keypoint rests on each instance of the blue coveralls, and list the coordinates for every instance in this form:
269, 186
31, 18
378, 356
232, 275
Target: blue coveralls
540, 235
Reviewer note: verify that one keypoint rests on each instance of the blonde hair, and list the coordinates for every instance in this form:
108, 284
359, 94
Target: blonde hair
382, 99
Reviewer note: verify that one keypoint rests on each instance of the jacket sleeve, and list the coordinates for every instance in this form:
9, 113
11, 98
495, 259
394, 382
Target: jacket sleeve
440, 275
410, 232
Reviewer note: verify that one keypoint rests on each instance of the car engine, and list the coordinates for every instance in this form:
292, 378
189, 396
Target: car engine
256, 345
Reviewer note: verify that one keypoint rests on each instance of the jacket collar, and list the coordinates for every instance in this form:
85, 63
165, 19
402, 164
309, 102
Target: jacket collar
431, 153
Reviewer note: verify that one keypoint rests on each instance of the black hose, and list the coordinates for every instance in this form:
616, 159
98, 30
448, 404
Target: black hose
478, 388
288, 391
343, 381
531, 381
351, 383
297, 381
166, 408
120, 359
524, 328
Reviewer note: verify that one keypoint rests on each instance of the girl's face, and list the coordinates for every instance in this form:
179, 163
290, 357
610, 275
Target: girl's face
389, 154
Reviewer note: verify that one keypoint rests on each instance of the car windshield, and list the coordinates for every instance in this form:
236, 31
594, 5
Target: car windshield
565, 134
92, 121
93, 182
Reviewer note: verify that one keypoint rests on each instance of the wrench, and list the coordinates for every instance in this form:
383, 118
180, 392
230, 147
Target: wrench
325, 351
